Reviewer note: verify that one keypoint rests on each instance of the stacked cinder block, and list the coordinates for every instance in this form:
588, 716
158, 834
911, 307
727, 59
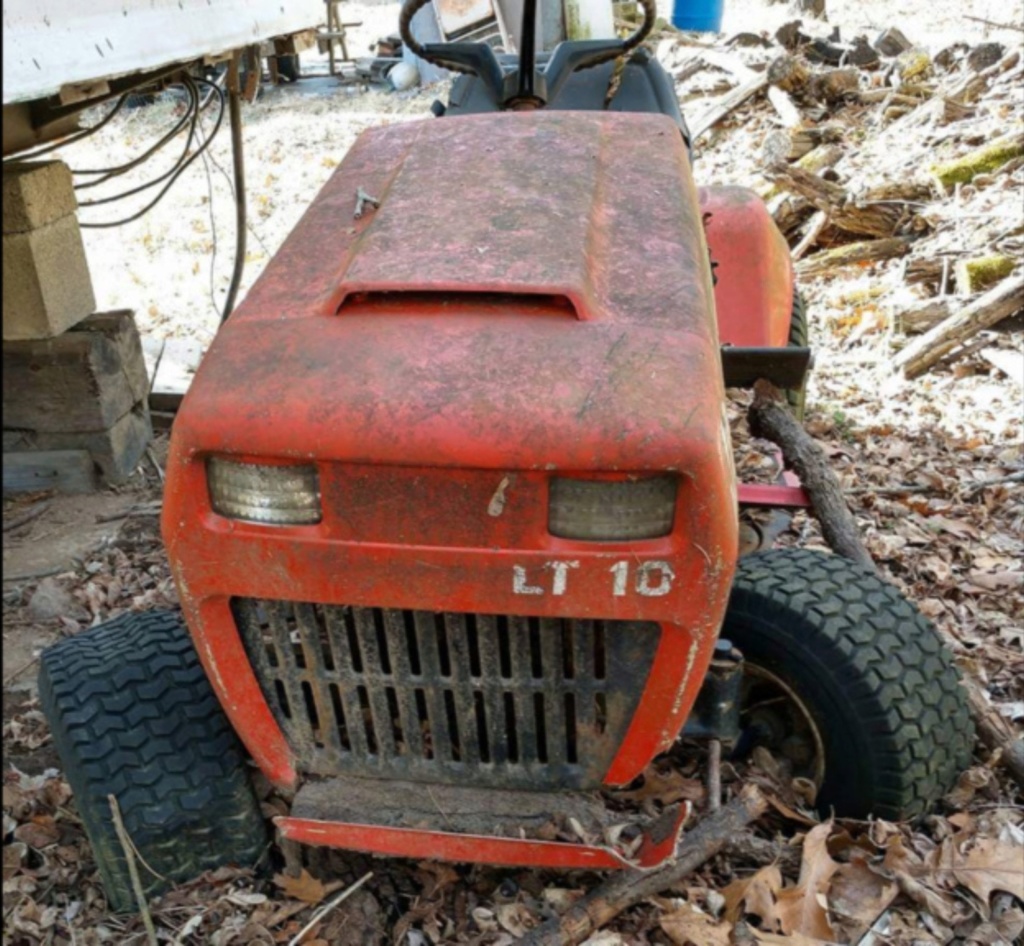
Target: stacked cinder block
74, 382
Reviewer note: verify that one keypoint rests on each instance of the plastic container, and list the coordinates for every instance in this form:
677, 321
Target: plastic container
702, 16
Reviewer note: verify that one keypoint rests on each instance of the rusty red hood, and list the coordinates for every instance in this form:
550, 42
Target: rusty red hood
532, 292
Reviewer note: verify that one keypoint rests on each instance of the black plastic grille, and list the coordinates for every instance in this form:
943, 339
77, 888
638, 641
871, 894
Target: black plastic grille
467, 698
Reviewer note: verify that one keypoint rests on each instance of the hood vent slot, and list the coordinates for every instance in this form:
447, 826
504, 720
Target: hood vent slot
449, 302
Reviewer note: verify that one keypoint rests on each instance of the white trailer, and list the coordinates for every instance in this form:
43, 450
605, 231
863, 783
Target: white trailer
62, 55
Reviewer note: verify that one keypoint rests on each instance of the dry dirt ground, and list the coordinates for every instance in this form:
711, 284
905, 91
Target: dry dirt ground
951, 536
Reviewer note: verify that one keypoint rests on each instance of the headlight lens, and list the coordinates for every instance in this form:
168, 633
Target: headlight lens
255, 492
602, 510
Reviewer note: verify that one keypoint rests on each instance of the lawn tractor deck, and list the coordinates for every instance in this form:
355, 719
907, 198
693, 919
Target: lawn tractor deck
452, 511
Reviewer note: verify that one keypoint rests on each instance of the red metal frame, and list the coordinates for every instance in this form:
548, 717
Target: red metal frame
772, 496
477, 849
456, 374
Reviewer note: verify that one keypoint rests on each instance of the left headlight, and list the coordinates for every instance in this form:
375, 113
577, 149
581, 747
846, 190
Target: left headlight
256, 492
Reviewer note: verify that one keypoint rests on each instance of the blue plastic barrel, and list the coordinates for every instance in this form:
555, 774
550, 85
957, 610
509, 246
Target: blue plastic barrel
703, 16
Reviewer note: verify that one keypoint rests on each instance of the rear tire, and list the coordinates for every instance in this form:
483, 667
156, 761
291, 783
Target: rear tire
799, 337
133, 715
872, 673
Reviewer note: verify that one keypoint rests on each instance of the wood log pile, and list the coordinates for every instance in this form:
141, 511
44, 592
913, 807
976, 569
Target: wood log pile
880, 160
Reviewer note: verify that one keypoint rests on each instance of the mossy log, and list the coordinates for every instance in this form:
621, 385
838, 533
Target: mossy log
984, 160
975, 275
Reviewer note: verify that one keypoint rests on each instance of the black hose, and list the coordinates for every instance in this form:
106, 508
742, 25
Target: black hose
108, 173
179, 165
176, 172
71, 139
238, 161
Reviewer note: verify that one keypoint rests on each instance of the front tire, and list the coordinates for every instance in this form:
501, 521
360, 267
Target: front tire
880, 690
133, 715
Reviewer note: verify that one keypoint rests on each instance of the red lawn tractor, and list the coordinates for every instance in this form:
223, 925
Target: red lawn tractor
453, 516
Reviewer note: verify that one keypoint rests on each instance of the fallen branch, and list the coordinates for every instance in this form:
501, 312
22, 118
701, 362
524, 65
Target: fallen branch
27, 516
852, 254
626, 888
995, 732
983, 160
998, 303
867, 217
998, 26
772, 420
323, 911
133, 870
727, 105
923, 317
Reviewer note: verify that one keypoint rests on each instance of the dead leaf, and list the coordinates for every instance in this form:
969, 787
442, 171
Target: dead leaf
515, 918
688, 926
968, 784
787, 812
754, 896
791, 939
803, 908
39, 833
989, 865
305, 887
858, 895
666, 787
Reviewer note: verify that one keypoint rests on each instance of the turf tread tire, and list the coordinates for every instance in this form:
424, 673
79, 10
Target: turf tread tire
133, 715
872, 670
799, 337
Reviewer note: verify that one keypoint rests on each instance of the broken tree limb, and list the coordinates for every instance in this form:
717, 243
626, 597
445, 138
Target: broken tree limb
813, 230
783, 105
33, 512
922, 317
629, 887
866, 217
789, 73
983, 272
997, 734
984, 160
772, 420
727, 105
1000, 302
852, 254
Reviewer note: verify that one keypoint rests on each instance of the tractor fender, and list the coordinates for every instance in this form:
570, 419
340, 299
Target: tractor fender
753, 271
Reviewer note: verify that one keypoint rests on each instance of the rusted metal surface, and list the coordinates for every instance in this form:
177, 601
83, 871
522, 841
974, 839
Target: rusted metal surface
490, 826
467, 699
436, 416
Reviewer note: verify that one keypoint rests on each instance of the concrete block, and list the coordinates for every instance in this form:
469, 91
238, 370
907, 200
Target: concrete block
84, 380
47, 288
36, 193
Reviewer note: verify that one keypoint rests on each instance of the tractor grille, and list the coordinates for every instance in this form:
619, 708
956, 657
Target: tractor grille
466, 698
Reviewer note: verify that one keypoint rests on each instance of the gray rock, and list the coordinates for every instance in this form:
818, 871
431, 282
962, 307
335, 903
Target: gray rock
50, 601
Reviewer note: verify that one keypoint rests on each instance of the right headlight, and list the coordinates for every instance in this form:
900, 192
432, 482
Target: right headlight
612, 510
257, 492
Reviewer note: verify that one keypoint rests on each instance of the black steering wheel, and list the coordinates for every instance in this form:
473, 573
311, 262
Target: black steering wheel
527, 85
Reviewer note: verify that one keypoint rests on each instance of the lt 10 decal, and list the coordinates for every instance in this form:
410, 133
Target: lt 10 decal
650, 579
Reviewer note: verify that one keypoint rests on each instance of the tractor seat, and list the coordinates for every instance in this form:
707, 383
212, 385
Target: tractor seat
645, 87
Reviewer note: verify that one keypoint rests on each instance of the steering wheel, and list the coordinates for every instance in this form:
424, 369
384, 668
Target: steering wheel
527, 84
